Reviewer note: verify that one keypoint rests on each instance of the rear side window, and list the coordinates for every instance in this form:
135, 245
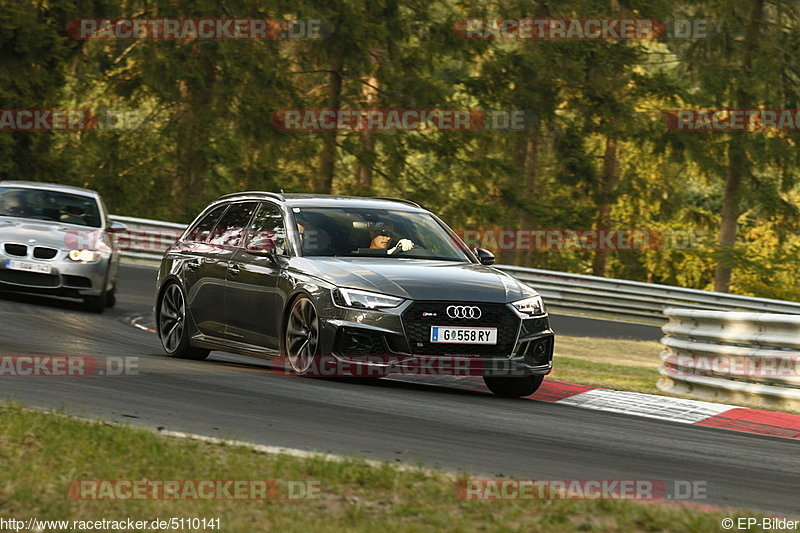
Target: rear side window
202, 230
231, 227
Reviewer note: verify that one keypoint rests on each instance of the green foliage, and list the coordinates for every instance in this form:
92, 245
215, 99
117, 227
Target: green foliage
204, 127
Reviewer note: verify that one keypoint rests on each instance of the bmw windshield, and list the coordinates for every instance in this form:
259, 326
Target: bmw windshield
348, 232
53, 206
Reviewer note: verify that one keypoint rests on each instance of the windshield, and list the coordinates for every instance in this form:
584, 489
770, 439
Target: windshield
347, 232
54, 206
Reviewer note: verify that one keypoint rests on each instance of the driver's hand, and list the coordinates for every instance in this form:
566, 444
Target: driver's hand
403, 246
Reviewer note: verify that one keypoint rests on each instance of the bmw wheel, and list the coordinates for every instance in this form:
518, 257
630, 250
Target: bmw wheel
95, 304
111, 297
172, 328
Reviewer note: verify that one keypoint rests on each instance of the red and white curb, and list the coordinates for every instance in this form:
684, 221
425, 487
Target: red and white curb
699, 413
135, 322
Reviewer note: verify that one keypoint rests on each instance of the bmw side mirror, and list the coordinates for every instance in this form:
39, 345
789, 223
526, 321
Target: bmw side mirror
484, 256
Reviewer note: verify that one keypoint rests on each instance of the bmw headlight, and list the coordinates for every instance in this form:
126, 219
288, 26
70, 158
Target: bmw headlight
531, 306
364, 299
84, 256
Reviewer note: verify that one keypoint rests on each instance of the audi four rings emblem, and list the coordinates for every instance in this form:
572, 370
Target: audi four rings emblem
463, 311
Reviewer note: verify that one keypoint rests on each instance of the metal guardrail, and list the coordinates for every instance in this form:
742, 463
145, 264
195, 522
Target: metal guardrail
732, 356
147, 239
634, 298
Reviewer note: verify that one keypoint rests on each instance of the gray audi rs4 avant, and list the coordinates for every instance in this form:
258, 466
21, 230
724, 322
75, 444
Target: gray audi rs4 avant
348, 286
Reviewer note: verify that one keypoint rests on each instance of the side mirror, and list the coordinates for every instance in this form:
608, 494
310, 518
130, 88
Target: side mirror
484, 256
117, 227
261, 250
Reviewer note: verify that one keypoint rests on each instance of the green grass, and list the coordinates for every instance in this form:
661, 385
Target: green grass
42, 453
610, 363
606, 375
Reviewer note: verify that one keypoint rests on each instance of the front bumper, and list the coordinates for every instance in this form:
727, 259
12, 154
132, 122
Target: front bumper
374, 343
67, 277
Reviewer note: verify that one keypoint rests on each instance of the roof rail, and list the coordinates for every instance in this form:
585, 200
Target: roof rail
254, 193
401, 200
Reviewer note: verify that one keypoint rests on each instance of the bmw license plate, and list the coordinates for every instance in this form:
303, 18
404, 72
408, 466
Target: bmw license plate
463, 335
13, 264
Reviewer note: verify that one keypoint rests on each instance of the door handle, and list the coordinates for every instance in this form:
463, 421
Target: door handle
234, 269
192, 265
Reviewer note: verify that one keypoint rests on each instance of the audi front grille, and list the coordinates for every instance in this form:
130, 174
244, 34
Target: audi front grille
420, 316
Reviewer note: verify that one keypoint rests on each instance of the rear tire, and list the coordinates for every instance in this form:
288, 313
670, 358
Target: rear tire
513, 387
173, 330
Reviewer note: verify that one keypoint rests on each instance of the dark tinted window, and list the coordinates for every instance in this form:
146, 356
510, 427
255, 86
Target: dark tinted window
268, 231
202, 230
230, 229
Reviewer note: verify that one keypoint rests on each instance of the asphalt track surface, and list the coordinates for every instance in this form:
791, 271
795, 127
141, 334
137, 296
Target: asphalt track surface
455, 429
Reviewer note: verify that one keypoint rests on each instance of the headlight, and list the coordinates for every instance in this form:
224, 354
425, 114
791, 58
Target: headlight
364, 299
84, 256
530, 306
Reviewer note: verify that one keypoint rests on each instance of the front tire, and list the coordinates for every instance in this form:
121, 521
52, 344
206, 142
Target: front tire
513, 387
95, 304
173, 329
111, 297
301, 336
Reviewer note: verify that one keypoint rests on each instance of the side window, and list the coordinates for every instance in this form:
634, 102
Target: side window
202, 230
268, 232
230, 230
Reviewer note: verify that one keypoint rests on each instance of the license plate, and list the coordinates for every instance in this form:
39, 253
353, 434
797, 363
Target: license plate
463, 335
13, 264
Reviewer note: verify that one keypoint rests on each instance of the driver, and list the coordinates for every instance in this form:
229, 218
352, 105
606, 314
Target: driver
72, 214
381, 236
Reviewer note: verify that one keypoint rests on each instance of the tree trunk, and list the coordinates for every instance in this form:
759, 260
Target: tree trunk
606, 197
730, 218
736, 161
327, 155
365, 160
192, 136
526, 154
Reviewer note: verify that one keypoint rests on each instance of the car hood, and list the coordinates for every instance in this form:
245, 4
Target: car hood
53, 234
417, 279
